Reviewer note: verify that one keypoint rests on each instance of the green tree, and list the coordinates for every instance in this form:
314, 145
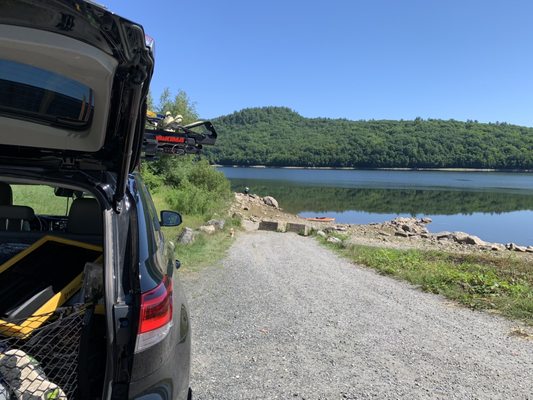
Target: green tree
179, 104
188, 184
279, 136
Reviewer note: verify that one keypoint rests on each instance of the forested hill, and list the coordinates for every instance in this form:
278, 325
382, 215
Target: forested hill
277, 136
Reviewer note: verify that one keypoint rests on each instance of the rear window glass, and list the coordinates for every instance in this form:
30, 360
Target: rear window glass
43, 96
43, 199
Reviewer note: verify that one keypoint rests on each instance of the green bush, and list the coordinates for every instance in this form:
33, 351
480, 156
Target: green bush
189, 185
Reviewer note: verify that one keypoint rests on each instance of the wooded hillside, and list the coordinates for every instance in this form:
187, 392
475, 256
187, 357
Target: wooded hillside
278, 136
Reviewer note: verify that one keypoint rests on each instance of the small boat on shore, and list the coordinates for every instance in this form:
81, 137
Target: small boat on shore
321, 219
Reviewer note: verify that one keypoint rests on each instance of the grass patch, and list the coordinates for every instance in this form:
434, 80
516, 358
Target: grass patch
199, 193
41, 198
504, 285
204, 251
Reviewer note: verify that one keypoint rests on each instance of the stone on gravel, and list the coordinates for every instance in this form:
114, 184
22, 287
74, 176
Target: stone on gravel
187, 236
270, 201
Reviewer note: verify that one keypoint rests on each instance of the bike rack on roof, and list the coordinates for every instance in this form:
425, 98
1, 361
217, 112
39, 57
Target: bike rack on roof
165, 134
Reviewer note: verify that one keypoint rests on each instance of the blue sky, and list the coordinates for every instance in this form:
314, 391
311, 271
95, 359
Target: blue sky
381, 59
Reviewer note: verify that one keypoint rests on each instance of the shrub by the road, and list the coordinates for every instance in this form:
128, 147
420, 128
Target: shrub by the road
188, 185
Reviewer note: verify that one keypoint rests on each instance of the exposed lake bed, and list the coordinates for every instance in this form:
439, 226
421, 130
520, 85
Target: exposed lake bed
400, 233
496, 206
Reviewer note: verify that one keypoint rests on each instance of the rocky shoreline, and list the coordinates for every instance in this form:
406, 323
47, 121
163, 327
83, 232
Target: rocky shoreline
403, 233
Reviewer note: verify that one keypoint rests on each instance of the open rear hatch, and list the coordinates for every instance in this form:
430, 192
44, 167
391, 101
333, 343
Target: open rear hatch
73, 83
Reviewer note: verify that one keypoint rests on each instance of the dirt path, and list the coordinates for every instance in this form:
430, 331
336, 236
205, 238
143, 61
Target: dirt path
283, 318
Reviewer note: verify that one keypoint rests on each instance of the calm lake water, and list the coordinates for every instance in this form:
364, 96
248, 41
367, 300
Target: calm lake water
497, 207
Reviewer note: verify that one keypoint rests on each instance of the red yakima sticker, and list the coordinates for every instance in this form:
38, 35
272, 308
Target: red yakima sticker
170, 139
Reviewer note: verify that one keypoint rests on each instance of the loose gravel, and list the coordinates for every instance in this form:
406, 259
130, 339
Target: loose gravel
283, 318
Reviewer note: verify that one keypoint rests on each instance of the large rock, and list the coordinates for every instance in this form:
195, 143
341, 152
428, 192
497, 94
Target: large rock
321, 234
461, 237
443, 235
465, 238
187, 236
217, 223
209, 229
271, 201
515, 247
333, 240
411, 225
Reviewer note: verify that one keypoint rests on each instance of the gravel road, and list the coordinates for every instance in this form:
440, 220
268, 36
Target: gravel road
283, 318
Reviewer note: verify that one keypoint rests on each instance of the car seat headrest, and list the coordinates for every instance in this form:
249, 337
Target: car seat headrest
6, 194
85, 217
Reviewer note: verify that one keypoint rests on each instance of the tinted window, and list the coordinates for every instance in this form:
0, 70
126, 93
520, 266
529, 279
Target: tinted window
155, 239
33, 93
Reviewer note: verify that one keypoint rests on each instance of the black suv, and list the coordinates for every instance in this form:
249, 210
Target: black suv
90, 306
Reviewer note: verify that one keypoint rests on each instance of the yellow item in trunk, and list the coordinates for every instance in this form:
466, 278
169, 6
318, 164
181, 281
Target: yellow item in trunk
38, 280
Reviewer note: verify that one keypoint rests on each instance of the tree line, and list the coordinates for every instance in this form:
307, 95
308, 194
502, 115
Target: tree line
278, 136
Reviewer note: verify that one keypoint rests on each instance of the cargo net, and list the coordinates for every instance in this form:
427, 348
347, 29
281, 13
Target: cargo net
41, 364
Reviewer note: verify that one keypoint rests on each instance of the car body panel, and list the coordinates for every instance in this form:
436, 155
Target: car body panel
95, 50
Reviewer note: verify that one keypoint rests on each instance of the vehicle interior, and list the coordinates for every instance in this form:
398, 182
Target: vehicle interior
51, 286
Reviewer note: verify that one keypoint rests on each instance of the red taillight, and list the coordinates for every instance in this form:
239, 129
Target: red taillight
156, 307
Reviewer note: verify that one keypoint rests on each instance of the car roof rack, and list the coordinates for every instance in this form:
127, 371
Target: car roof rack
164, 134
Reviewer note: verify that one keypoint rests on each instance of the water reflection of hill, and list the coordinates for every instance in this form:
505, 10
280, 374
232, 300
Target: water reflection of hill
296, 199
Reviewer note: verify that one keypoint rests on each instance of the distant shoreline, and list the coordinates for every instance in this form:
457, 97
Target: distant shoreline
381, 169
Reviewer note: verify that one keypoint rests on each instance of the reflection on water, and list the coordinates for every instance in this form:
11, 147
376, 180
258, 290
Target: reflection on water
296, 199
496, 207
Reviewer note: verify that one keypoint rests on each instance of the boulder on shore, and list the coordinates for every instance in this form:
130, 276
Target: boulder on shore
414, 226
515, 247
270, 201
465, 238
